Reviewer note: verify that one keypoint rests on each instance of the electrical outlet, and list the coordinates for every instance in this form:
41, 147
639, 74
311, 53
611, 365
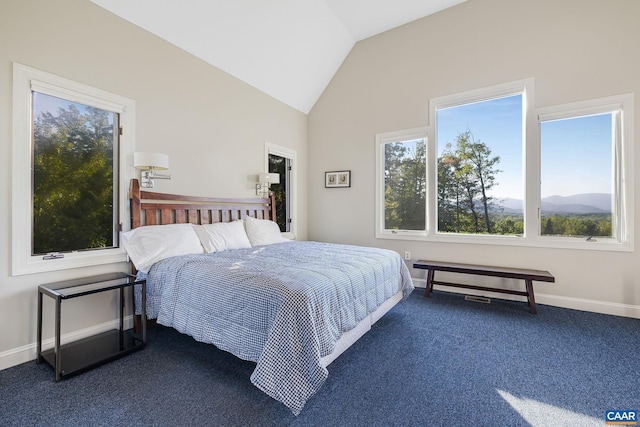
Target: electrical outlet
407, 255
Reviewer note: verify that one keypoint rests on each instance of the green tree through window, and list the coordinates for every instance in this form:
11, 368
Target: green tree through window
280, 165
405, 185
466, 174
74, 176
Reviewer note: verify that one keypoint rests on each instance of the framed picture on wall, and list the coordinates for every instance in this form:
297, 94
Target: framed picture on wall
337, 179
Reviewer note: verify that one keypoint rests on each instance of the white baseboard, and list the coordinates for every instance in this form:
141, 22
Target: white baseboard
28, 352
419, 283
603, 307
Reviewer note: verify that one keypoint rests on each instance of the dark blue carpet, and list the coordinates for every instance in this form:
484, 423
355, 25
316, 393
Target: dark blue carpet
440, 361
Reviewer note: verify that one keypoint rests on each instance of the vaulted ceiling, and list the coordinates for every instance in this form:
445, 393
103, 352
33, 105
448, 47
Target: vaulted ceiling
289, 49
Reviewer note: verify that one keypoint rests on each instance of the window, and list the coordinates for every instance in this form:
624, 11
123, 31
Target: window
472, 187
401, 182
281, 160
479, 166
74, 194
70, 142
281, 166
582, 157
479, 141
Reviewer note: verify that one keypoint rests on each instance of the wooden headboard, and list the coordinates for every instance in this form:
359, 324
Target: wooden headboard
150, 208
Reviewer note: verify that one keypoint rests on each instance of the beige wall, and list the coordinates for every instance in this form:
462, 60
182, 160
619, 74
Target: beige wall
574, 49
212, 126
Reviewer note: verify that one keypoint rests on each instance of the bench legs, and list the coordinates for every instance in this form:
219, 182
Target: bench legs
530, 297
528, 283
429, 287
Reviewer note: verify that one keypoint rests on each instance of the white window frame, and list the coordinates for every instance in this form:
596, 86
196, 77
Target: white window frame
26, 79
292, 155
381, 140
531, 171
524, 87
622, 107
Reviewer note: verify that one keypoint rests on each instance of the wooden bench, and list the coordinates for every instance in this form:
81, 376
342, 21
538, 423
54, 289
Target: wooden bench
482, 270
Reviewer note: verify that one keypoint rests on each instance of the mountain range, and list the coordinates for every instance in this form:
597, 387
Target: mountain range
587, 203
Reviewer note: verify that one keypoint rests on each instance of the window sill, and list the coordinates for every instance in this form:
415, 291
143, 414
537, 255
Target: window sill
35, 264
547, 243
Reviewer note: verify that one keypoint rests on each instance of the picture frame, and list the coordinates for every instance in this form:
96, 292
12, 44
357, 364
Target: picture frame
337, 179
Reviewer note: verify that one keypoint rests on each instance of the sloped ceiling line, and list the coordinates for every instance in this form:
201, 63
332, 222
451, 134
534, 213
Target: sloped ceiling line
289, 49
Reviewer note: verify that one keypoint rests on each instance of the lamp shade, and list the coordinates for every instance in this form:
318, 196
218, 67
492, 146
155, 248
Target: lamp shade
269, 178
145, 161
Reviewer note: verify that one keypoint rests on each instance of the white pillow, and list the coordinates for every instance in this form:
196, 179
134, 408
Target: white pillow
222, 236
150, 244
263, 232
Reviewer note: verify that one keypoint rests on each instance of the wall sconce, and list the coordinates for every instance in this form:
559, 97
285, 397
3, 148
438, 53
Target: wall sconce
264, 182
149, 163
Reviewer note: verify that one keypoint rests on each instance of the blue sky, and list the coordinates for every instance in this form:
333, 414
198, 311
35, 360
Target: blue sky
585, 143
575, 154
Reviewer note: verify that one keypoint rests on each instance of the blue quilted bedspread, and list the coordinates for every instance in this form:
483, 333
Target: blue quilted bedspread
283, 306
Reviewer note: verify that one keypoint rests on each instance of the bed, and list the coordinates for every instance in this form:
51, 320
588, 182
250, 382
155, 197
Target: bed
291, 307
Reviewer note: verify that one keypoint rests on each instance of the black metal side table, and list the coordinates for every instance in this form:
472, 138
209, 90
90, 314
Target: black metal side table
86, 353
